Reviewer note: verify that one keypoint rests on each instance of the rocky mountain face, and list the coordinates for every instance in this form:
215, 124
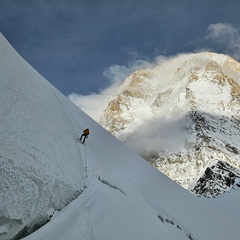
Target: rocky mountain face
183, 116
216, 179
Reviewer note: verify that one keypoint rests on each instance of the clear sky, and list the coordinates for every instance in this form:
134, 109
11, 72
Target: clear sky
72, 43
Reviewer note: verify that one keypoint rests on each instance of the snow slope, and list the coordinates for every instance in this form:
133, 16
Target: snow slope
41, 167
121, 196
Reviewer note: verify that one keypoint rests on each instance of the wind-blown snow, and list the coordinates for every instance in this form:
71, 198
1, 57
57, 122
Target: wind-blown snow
120, 196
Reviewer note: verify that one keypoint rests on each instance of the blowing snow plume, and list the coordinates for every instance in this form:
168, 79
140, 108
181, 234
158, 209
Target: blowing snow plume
94, 104
155, 136
133, 114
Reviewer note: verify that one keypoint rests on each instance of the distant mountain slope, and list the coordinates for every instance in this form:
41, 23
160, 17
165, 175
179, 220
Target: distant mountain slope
182, 115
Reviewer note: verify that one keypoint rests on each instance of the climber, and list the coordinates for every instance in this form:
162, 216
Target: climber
85, 134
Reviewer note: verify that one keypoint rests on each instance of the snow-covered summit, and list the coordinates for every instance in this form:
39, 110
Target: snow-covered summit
117, 194
182, 116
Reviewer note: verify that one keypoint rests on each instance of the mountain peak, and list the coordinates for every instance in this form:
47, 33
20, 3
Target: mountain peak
192, 100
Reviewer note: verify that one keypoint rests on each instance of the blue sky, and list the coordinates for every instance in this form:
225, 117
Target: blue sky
74, 43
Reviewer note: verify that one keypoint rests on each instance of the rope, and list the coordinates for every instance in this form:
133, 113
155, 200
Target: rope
85, 161
85, 155
67, 110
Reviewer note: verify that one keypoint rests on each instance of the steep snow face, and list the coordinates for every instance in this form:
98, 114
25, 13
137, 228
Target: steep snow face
182, 115
41, 168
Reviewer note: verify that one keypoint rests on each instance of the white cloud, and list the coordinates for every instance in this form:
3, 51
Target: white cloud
94, 104
226, 35
155, 133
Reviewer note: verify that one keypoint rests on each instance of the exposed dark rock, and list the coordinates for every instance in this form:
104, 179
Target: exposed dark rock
216, 179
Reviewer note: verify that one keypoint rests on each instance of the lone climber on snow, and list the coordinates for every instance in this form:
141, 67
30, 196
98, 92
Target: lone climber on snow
84, 135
